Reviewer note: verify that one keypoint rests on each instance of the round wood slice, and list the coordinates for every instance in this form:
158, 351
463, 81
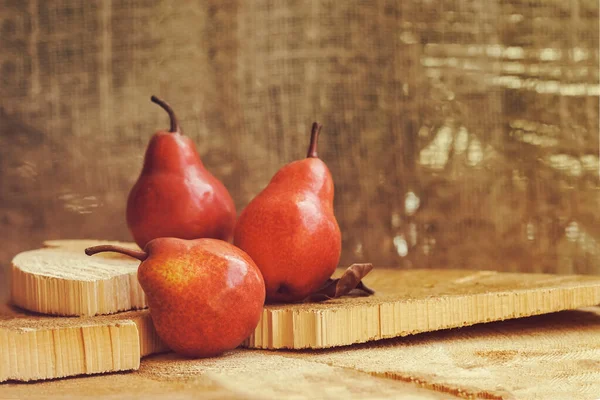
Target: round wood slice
62, 280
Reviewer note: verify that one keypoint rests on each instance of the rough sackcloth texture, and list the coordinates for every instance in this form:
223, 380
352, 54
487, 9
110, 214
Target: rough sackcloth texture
459, 133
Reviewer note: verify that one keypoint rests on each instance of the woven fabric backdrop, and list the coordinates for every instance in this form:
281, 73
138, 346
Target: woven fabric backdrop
460, 134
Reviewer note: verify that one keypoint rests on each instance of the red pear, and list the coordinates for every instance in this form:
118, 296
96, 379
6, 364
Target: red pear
290, 230
205, 296
175, 195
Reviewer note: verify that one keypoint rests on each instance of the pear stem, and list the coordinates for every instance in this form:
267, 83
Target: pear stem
174, 124
314, 136
140, 255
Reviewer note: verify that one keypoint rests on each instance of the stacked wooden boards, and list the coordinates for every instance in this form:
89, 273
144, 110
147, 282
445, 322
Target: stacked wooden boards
60, 280
406, 302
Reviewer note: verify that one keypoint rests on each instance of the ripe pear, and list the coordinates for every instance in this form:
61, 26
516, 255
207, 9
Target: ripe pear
205, 296
175, 195
290, 231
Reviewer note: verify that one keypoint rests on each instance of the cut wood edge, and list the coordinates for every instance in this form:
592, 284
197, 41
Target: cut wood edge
305, 328
37, 347
31, 354
64, 281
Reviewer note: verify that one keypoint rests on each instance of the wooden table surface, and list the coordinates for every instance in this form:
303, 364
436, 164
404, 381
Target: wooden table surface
551, 356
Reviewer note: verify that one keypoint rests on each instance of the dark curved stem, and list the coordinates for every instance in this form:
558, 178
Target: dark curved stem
140, 255
314, 136
174, 124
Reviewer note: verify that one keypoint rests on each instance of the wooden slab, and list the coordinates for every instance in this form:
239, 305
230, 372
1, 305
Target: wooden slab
34, 347
62, 280
415, 301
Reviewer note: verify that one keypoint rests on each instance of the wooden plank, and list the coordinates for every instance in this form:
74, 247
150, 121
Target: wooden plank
415, 301
34, 347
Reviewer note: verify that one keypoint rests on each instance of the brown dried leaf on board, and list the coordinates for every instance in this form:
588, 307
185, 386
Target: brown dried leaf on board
350, 280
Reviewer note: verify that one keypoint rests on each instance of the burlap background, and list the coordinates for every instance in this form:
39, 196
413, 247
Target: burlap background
460, 133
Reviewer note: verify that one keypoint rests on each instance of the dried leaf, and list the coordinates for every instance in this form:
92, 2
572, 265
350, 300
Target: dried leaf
365, 288
350, 280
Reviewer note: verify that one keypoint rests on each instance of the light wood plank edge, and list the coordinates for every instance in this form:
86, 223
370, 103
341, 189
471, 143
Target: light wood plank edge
55, 296
318, 329
31, 354
105, 346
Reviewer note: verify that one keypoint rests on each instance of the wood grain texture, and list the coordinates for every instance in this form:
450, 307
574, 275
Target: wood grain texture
414, 301
37, 347
554, 356
246, 375
62, 280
